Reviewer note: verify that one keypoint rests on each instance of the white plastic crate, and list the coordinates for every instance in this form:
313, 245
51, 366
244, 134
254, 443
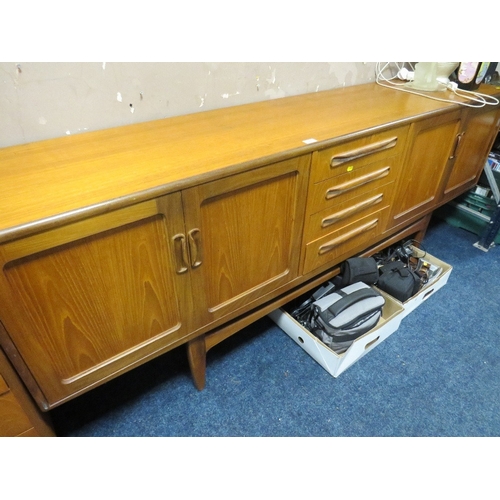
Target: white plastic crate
332, 362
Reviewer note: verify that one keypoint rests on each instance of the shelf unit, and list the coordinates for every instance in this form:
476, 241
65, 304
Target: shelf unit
487, 239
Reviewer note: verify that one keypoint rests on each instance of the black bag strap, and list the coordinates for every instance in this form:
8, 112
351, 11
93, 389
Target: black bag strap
348, 300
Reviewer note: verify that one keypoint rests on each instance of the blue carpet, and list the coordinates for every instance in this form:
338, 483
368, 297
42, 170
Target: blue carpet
438, 375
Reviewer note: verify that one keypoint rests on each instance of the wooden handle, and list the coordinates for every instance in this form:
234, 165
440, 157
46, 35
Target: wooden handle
180, 250
355, 183
195, 247
354, 154
343, 214
327, 247
457, 144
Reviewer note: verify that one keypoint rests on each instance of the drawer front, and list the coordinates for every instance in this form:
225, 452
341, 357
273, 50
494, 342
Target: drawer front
332, 248
340, 159
344, 187
350, 210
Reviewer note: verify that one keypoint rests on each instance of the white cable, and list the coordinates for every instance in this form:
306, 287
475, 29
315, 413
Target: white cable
380, 74
483, 97
478, 97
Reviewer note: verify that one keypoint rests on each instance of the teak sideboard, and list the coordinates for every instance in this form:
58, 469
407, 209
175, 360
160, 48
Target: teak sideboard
119, 245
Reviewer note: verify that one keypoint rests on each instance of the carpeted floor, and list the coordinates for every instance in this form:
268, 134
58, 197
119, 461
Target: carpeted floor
438, 375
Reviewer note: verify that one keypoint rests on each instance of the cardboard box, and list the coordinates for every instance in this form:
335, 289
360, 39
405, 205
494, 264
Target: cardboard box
430, 288
332, 362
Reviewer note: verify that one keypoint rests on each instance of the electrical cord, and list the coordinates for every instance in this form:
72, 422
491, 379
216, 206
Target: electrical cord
481, 99
401, 252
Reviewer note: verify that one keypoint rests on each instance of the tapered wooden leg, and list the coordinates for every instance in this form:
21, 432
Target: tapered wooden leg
197, 357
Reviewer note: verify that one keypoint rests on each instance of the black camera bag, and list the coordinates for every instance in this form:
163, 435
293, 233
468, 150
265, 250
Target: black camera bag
399, 280
357, 269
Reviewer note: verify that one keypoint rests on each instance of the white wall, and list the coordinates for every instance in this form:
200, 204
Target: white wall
43, 100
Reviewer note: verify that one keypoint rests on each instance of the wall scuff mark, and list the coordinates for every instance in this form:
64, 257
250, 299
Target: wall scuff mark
227, 96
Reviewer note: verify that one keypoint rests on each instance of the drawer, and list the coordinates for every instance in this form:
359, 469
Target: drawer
341, 214
356, 182
343, 158
333, 247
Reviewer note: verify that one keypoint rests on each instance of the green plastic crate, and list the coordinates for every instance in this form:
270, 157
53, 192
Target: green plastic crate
466, 217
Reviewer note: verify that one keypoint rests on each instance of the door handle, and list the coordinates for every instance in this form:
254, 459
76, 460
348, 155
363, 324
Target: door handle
457, 144
180, 250
195, 247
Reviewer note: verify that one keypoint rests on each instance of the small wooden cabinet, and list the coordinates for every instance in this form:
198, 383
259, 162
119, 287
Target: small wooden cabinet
137, 240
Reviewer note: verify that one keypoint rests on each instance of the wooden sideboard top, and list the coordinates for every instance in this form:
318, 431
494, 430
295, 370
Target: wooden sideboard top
58, 180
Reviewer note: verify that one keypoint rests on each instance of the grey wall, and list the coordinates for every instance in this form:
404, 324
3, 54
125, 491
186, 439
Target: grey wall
44, 100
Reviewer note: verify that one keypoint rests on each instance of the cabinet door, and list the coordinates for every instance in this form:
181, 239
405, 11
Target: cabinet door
480, 131
83, 302
429, 156
245, 235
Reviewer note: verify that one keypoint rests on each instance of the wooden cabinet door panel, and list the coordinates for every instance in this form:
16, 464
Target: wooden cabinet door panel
428, 159
249, 234
87, 300
480, 130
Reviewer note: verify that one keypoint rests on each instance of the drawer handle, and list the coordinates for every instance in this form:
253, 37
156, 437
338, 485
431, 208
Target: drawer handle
327, 247
195, 247
343, 214
358, 182
180, 250
363, 151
